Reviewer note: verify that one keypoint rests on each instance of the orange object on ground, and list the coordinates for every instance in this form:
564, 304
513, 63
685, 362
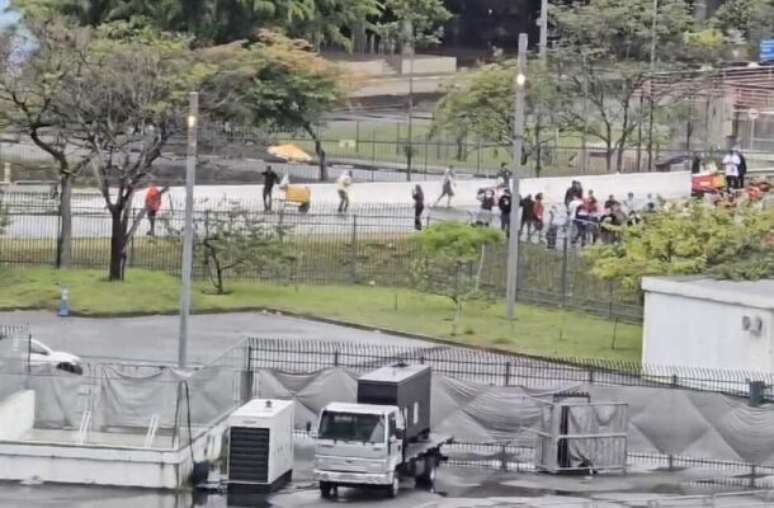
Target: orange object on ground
298, 194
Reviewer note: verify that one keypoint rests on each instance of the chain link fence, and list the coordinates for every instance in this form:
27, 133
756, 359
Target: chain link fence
372, 244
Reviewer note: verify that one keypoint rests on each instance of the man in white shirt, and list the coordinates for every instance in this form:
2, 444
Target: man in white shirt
343, 183
731, 164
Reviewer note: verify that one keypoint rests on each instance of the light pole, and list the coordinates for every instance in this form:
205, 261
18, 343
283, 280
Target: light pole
650, 88
409, 29
543, 22
187, 266
520, 81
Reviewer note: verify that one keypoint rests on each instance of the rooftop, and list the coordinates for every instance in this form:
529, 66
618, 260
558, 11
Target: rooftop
759, 294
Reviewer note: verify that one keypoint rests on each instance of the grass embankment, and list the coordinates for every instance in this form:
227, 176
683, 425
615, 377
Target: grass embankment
537, 330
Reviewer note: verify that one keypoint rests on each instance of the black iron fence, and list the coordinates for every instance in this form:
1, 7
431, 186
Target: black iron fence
499, 368
372, 244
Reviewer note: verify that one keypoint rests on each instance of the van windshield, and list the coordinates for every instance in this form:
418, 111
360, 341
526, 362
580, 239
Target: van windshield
363, 428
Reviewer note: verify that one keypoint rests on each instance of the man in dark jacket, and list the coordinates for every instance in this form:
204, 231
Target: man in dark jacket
270, 179
742, 167
527, 213
504, 204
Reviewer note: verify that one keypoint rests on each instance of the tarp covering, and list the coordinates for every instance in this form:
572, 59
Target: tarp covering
661, 420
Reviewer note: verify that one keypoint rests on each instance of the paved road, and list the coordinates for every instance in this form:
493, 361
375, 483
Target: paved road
154, 338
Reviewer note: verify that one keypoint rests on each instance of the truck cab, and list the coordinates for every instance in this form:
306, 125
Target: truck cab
383, 437
359, 445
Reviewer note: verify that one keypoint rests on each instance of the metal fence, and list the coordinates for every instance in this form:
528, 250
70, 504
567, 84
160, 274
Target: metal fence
372, 244
498, 368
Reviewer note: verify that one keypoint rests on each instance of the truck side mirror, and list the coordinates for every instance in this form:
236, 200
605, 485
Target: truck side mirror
400, 433
308, 427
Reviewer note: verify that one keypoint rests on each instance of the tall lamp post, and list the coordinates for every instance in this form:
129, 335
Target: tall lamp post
187, 266
520, 81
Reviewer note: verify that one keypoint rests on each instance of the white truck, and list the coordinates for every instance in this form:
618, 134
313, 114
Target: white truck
381, 439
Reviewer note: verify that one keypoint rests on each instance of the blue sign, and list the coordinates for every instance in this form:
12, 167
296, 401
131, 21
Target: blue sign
767, 50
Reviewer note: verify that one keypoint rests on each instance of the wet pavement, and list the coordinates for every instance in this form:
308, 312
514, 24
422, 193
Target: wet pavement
457, 487
154, 338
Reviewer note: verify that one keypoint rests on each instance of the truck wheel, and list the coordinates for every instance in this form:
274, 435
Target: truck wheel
326, 490
427, 478
394, 489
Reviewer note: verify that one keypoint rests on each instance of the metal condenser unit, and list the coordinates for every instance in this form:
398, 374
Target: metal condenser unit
260, 451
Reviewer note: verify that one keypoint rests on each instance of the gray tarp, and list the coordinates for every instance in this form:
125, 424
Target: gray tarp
661, 420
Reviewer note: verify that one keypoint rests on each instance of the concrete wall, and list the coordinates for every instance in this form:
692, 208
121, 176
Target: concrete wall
697, 332
103, 465
17, 415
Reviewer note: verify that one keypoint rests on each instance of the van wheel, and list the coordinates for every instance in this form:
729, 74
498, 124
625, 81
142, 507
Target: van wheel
326, 490
427, 479
394, 489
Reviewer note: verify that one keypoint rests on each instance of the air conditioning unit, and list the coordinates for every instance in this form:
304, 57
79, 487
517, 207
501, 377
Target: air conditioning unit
260, 450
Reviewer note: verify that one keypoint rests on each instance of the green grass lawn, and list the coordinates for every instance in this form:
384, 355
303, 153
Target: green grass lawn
537, 330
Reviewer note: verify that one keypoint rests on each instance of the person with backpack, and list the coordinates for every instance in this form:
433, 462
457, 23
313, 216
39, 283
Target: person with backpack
152, 206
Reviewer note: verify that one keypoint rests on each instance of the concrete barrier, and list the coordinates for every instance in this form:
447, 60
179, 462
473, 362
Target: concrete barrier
667, 185
17, 415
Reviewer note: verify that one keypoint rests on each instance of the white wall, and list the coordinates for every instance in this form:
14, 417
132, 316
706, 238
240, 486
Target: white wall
17, 415
103, 465
693, 332
668, 185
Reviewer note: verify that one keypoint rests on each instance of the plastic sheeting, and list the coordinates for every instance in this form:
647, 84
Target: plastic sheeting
664, 421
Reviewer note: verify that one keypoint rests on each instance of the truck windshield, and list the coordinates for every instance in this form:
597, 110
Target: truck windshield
362, 428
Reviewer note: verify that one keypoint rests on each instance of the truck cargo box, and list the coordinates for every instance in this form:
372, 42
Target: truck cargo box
404, 386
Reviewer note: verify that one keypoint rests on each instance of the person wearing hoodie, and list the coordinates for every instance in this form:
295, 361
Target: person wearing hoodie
557, 219
418, 195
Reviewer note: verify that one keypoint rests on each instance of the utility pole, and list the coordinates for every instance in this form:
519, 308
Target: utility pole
543, 22
650, 88
190, 178
520, 81
410, 149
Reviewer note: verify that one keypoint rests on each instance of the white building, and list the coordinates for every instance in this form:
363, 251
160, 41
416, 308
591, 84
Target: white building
706, 323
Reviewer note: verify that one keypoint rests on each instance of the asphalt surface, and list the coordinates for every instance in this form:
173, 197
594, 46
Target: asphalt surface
155, 338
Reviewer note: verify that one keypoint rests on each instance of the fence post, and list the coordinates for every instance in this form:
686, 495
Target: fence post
354, 248
507, 373
357, 136
564, 268
674, 381
336, 358
591, 375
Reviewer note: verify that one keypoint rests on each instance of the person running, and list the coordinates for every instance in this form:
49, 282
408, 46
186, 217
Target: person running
152, 206
418, 196
731, 163
487, 198
447, 187
343, 183
504, 204
270, 179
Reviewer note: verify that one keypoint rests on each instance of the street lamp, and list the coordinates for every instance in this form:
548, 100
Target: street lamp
520, 80
187, 263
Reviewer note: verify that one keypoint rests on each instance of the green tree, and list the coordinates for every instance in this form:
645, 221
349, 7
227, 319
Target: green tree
235, 242
412, 23
32, 84
450, 261
696, 239
322, 22
290, 87
482, 105
623, 29
749, 19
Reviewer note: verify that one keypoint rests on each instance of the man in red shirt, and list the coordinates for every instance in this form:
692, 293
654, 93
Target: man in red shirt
152, 206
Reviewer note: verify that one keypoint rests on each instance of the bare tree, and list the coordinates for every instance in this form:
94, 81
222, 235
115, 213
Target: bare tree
36, 66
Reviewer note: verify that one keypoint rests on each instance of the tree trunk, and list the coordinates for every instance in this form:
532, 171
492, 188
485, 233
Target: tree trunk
117, 240
64, 243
